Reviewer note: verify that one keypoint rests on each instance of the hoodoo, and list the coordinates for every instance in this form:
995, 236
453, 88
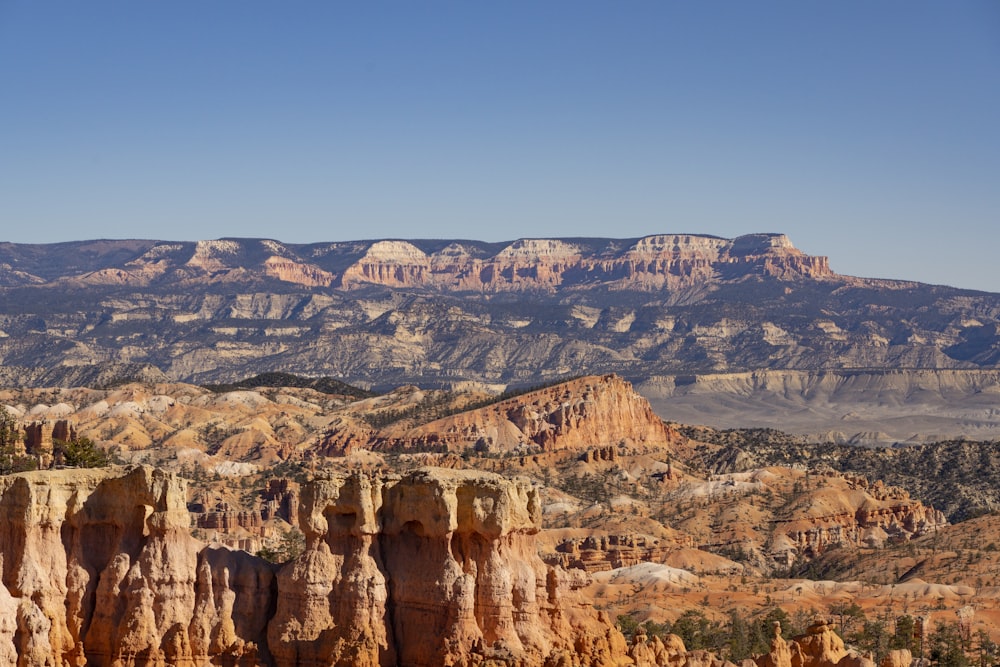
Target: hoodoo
432, 568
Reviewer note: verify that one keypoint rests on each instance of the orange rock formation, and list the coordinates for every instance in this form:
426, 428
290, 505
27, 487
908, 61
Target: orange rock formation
588, 412
861, 515
653, 262
435, 568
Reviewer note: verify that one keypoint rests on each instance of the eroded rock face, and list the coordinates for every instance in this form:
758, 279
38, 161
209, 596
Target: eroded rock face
103, 570
332, 607
820, 646
858, 515
434, 568
424, 570
653, 262
578, 414
598, 553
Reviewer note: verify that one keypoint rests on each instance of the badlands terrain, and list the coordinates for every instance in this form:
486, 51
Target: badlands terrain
727, 332
286, 521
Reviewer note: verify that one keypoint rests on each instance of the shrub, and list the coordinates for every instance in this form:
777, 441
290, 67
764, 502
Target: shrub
291, 544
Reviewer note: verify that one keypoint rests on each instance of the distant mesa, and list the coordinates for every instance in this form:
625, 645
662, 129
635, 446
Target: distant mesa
652, 262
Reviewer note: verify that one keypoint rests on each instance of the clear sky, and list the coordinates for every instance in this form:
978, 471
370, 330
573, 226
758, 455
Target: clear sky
868, 131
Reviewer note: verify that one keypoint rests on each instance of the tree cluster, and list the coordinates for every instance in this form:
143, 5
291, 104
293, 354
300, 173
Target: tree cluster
80, 453
11, 460
740, 637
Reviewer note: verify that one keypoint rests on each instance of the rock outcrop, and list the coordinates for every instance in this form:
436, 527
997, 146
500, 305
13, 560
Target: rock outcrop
420, 571
231, 524
579, 414
861, 514
820, 646
435, 568
36, 439
104, 571
225, 518
777, 518
653, 262
606, 552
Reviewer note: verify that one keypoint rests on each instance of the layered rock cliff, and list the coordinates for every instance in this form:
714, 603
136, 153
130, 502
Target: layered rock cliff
101, 569
434, 568
578, 414
861, 514
668, 261
607, 552
777, 518
652, 262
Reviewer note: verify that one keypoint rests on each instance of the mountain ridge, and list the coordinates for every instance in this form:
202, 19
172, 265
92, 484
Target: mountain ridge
644, 262
440, 313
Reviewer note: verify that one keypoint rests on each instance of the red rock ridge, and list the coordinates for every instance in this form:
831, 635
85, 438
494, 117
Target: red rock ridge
296, 272
580, 414
598, 553
867, 515
653, 262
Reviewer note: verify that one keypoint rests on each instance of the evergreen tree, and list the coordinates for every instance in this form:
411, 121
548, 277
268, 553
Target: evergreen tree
903, 636
988, 652
10, 435
873, 636
741, 638
945, 646
81, 453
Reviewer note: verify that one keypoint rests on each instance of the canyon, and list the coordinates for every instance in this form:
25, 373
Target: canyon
467, 548
532, 469
431, 567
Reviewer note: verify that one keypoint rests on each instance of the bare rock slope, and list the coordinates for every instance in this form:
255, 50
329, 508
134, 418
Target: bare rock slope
577, 414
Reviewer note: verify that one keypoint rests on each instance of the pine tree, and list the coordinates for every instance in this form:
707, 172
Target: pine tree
81, 453
10, 435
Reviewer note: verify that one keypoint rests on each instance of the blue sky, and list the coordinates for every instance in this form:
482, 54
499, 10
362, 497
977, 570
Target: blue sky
867, 131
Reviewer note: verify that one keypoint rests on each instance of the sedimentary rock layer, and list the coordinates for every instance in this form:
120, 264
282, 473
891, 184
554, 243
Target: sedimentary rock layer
651, 262
578, 414
433, 568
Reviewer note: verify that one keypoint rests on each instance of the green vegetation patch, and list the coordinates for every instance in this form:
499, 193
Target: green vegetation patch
325, 385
